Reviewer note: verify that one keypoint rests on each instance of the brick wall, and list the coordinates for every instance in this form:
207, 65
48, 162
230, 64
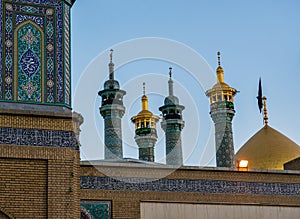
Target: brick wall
24, 183
39, 181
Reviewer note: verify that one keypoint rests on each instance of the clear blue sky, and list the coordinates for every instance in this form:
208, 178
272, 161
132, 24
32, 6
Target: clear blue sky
256, 38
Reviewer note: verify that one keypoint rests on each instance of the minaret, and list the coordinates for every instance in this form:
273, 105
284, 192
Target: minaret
112, 111
145, 130
172, 124
222, 112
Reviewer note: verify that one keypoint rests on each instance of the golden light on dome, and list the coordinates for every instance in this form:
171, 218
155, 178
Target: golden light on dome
243, 163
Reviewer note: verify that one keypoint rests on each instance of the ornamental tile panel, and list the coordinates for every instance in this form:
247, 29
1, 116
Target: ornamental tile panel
40, 54
186, 185
35, 137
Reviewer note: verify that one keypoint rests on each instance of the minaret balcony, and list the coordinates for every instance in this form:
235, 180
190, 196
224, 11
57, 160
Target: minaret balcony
145, 131
173, 116
222, 105
112, 101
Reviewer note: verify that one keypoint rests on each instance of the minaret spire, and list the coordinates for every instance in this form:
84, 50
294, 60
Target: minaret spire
144, 98
219, 58
220, 71
266, 119
111, 66
171, 89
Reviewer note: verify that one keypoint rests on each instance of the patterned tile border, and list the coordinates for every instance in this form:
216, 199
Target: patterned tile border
195, 186
32, 137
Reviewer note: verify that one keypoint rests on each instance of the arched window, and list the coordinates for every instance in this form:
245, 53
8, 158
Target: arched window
4, 215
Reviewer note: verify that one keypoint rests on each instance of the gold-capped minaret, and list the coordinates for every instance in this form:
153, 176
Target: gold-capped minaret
145, 130
222, 112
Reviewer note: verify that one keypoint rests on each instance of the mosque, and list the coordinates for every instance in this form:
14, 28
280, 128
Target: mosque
41, 175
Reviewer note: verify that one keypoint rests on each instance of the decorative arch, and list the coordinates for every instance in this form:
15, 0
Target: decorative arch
5, 215
29, 79
84, 214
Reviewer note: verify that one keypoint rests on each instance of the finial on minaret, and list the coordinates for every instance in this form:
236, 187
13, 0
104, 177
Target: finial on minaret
219, 58
111, 66
171, 89
144, 98
111, 54
144, 88
266, 119
220, 71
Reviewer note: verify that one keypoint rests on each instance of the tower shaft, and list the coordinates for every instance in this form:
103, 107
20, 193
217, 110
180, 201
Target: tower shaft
173, 129
112, 131
223, 137
146, 144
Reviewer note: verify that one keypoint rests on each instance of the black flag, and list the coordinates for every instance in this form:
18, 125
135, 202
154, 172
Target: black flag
259, 97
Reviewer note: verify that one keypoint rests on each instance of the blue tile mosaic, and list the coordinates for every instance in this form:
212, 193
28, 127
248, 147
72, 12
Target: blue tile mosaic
32, 137
184, 185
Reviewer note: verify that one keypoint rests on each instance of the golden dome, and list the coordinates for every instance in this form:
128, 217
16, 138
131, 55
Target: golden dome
220, 89
145, 113
268, 149
144, 118
220, 86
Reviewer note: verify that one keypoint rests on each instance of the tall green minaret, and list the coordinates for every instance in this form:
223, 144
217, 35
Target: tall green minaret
112, 111
222, 112
172, 124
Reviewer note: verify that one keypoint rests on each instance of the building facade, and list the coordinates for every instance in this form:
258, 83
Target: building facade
41, 175
39, 147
